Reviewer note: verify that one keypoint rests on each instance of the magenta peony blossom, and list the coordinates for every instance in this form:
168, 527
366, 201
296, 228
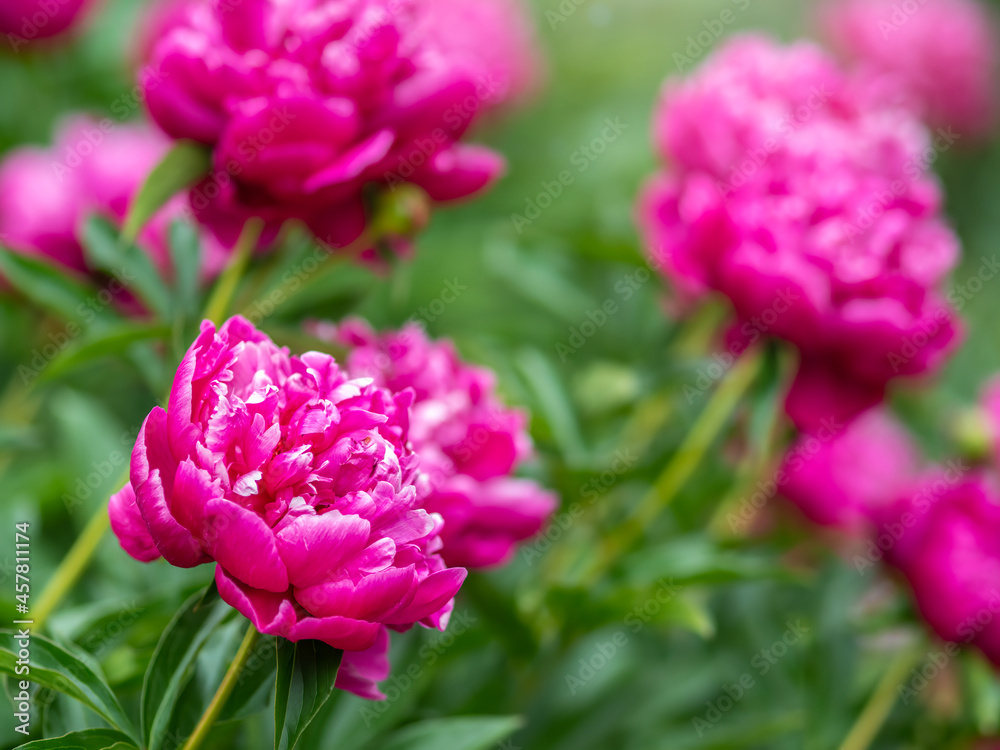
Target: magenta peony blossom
93, 168
802, 202
24, 20
309, 105
942, 537
842, 475
938, 57
300, 485
468, 441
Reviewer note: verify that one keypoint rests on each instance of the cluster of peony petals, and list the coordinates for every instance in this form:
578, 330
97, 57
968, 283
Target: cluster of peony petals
24, 20
941, 536
312, 106
467, 440
803, 203
839, 476
938, 57
299, 483
94, 168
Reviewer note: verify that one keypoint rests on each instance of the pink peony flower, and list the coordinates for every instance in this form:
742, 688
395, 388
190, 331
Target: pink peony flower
298, 482
24, 20
937, 57
308, 105
47, 194
839, 476
942, 537
468, 441
800, 202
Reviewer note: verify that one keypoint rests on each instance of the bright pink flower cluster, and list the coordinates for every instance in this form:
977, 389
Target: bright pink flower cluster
94, 168
306, 103
24, 20
468, 441
839, 475
803, 202
942, 537
299, 483
938, 57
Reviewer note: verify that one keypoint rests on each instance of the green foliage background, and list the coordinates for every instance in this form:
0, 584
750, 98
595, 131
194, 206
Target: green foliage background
520, 633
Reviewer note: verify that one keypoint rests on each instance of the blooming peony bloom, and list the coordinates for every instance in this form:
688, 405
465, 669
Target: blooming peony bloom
799, 200
938, 57
311, 105
299, 483
24, 20
942, 537
47, 194
840, 475
468, 441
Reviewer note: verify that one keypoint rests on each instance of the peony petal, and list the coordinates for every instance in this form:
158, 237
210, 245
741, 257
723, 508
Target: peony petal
127, 523
315, 548
241, 542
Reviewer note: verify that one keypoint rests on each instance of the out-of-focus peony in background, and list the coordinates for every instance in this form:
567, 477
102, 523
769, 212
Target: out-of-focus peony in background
480, 374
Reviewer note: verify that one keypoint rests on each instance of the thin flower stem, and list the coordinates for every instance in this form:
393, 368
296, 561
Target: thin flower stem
688, 457
879, 706
219, 302
73, 565
222, 694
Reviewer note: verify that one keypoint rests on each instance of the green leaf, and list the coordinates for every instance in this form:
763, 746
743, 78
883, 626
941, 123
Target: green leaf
185, 253
461, 733
183, 165
125, 261
53, 666
110, 341
172, 664
307, 672
49, 287
88, 739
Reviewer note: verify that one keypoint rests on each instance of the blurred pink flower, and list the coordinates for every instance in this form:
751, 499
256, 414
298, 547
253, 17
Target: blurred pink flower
468, 441
799, 201
94, 168
840, 475
299, 484
24, 20
938, 57
307, 102
942, 536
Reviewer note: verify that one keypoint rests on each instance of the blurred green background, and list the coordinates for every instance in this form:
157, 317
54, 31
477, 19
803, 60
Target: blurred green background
520, 633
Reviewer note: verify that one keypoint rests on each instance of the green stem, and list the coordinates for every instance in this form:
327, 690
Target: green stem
222, 694
218, 304
690, 454
73, 565
879, 706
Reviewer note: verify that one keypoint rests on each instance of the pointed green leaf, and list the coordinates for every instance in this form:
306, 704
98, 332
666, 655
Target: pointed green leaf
184, 164
50, 287
110, 341
173, 661
307, 673
185, 253
88, 739
460, 733
125, 261
55, 667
